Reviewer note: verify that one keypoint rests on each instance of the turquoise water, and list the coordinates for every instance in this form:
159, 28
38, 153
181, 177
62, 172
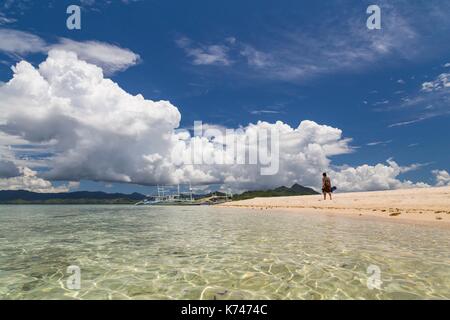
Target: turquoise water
212, 253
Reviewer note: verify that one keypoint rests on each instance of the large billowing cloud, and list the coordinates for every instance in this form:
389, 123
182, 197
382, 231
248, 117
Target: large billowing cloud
95, 130
301, 155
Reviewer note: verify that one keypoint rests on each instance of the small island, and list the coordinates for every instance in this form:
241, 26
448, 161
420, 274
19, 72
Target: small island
86, 197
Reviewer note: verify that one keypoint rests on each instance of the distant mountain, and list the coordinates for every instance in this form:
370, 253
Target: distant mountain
87, 197
295, 190
80, 197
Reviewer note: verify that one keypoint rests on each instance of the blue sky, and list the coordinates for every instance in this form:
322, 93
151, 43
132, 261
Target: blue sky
237, 62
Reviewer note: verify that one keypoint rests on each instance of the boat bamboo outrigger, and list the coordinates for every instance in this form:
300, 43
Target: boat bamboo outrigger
164, 197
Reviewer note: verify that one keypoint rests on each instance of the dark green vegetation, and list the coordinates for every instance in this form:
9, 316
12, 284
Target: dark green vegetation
295, 190
86, 197
81, 197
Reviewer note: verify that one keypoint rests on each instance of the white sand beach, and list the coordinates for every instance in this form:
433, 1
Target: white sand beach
426, 205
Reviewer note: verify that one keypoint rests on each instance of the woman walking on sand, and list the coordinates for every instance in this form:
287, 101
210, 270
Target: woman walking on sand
326, 186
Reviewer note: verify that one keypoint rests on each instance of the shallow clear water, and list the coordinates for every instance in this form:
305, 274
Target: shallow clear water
211, 253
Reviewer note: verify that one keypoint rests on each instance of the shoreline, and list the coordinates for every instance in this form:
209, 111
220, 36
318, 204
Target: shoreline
425, 206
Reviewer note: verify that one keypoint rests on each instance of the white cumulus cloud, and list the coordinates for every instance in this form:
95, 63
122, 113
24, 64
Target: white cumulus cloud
98, 130
442, 178
95, 130
441, 82
29, 181
370, 178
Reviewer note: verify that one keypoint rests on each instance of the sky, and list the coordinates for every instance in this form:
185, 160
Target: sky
106, 107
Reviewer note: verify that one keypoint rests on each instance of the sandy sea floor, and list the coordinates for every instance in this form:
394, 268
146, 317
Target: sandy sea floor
127, 252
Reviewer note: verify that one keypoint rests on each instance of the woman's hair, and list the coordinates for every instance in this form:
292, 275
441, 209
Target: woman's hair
324, 174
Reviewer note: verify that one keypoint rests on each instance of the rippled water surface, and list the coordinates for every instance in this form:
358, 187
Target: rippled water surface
211, 253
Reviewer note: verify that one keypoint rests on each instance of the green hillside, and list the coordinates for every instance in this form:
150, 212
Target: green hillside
295, 190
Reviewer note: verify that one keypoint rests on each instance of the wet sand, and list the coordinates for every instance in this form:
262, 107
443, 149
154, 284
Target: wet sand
424, 205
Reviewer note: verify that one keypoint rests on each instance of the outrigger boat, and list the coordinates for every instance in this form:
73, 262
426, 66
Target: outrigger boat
182, 199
